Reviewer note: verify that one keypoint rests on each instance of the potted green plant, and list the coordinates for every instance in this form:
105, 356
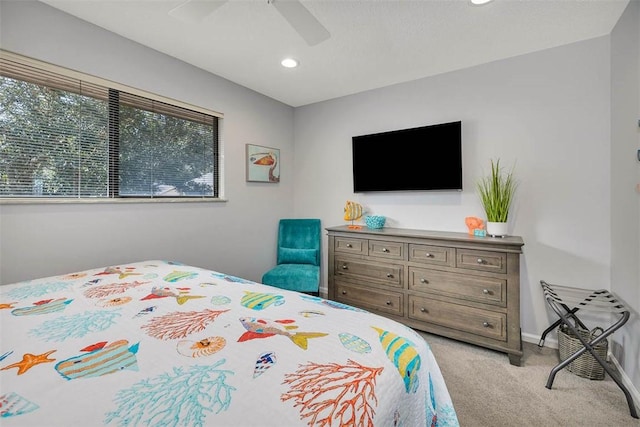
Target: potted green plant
496, 195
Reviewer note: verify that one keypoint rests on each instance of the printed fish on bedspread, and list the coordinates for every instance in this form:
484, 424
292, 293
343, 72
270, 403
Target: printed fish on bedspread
43, 307
260, 301
403, 355
263, 328
101, 359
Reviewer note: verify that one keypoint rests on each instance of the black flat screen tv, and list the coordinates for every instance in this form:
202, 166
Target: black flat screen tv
417, 159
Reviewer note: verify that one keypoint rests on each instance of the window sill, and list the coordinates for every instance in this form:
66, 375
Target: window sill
53, 200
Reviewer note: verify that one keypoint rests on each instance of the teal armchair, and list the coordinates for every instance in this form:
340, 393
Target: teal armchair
299, 255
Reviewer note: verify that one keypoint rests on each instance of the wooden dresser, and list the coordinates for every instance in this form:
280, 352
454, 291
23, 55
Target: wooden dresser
450, 284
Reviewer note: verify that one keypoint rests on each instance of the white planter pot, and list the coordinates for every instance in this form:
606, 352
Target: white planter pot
496, 229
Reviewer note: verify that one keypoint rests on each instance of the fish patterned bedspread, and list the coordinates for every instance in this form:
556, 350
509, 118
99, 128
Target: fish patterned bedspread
159, 343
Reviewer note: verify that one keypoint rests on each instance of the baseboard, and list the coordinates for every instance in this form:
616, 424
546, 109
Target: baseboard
635, 394
535, 339
553, 343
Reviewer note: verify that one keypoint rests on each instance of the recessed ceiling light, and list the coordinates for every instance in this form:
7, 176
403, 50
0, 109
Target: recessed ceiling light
479, 2
289, 63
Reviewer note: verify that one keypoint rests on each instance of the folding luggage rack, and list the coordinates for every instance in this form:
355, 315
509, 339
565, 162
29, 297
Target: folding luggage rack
566, 302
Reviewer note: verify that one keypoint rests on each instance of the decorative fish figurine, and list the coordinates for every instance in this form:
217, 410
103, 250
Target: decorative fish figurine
204, 347
263, 328
101, 360
404, 356
260, 301
352, 211
176, 276
42, 307
354, 343
264, 362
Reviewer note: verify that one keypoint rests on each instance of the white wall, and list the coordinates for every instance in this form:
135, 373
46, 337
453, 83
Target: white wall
549, 112
237, 237
625, 174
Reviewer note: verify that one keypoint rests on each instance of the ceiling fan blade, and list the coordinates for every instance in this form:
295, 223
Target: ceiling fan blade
192, 11
309, 28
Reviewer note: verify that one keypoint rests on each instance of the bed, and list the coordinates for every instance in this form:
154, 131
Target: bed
159, 343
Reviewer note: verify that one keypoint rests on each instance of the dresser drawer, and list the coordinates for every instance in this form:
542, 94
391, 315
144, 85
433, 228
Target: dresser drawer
464, 286
482, 260
370, 298
433, 255
390, 250
389, 274
467, 319
351, 246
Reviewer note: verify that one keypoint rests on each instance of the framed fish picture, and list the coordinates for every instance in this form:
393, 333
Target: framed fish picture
263, 164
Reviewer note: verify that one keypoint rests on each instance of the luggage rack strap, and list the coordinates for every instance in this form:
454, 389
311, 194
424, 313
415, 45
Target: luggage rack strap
586, 299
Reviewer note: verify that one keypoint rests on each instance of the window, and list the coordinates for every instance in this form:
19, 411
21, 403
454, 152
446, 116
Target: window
67, 135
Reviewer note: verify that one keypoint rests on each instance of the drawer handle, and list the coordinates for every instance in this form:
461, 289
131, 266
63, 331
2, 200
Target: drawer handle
486, 291
388, 302
389, 275
486, 324
480, 261
349, 245
423, 310
385, 250
428, 255
423, 280
344, 292
345, 267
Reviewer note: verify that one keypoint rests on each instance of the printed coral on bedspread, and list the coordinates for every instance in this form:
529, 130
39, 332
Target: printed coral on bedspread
313, 385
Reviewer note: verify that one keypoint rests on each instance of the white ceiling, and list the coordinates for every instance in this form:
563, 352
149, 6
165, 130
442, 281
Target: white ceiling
374, 43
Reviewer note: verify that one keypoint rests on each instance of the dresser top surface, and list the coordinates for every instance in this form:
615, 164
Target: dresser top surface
428, 234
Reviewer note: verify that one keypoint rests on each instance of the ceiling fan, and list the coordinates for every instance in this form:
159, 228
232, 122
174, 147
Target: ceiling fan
294, 12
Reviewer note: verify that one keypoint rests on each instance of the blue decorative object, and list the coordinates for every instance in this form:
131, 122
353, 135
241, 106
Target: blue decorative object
298, 261
479, 232
374, 221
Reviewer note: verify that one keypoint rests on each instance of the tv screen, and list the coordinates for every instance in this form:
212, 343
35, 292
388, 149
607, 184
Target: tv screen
417, 159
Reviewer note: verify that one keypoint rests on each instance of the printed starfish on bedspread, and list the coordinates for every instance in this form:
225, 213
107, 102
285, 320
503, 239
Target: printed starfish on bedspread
29, 361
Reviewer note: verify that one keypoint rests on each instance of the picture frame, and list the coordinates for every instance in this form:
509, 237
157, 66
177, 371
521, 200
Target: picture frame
262, 164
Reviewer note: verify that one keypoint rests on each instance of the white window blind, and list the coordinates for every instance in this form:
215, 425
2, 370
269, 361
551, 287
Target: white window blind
64, 137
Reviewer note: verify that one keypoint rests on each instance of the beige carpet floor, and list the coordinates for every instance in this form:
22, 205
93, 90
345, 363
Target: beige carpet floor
487, 391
